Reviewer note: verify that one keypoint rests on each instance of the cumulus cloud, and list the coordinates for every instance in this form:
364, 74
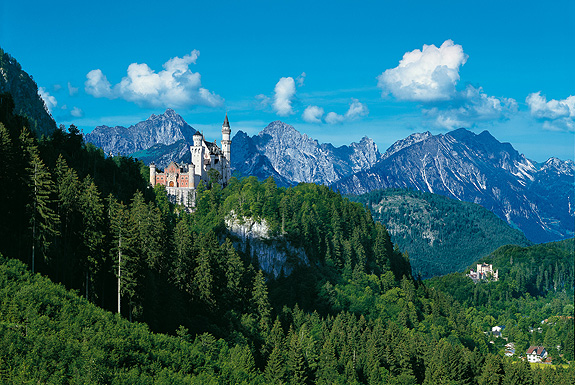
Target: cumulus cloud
555, 114
175, 86
313, 114
284, 93
98, 85
72, 90
470, 106
49, 100
430, 76
76, 112
355, 111
426, 75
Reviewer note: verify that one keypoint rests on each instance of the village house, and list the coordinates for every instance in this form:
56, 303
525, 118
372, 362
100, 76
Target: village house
536, 353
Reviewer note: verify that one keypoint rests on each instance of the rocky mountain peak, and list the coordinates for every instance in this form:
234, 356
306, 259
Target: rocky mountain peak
410, 140
479, 169
282, 150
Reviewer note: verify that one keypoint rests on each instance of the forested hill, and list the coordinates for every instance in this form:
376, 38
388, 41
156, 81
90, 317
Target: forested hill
348, 312
533, 298
441, 235
24, 91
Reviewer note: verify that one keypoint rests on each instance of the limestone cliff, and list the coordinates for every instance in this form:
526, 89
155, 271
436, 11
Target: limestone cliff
274, 255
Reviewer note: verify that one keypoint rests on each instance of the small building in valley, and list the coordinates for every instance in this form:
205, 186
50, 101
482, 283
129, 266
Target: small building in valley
536, 354
484, 272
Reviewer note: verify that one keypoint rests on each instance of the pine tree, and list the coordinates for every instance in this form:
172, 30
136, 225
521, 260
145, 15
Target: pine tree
183, 244
92, 210
119, 242
43, 219
260, 302
275, 368
68, 187
295, 360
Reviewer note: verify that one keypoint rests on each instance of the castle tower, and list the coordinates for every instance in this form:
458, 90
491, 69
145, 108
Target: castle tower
197, 151
226, 142
153, 174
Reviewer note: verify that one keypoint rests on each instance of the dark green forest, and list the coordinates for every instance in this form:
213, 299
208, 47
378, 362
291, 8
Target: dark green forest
441, 235
196, 307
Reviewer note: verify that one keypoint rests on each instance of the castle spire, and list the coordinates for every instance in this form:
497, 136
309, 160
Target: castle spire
226, 123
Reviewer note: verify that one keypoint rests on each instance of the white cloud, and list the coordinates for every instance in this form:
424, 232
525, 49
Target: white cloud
175, 86
557, 115
76, 112
300, 79
284, 93
425, 75
98, 85
470, 106
333, 118
49, 100
355, 111
313, 114
72, 90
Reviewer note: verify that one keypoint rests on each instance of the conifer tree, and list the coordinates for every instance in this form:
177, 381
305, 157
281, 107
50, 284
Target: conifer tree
295, 360
275, 368
43, 219
92, 210
261, 303
119, 242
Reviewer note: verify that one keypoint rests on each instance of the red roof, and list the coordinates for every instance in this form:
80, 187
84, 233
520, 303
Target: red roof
535, 350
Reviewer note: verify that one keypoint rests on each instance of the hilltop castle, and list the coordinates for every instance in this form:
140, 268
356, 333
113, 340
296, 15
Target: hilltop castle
484, 271
181, 180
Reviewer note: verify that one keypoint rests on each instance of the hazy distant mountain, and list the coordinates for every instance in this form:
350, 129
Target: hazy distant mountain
281, 151
441, 235
161, 131
24, 91
538, 199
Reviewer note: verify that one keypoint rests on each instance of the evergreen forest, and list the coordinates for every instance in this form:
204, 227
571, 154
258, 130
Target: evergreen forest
103, 280
441, 235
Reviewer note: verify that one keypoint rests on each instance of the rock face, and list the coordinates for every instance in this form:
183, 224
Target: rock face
161, 131
291, 157
24, 91
274, 256
538, 199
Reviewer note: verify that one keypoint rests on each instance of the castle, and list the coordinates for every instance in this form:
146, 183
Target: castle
484, 271
181, 180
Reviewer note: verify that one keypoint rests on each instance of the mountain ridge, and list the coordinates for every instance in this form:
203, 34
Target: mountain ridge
478, 168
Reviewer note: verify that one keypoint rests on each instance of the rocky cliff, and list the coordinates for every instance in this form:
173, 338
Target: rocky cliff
161, 131
279, 150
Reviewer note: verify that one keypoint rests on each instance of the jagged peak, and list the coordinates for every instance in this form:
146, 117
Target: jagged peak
409, 141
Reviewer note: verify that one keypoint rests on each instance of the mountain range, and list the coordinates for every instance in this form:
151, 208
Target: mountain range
160, 132
280, 150
536, 198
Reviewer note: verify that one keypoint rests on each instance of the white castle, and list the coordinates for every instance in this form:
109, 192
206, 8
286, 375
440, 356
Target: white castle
484, 271
181, 180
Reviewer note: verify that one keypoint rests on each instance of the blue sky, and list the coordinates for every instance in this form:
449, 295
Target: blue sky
336, 70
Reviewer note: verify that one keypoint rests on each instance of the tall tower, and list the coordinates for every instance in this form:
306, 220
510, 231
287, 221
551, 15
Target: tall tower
226, 142
153, 174
198, 158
